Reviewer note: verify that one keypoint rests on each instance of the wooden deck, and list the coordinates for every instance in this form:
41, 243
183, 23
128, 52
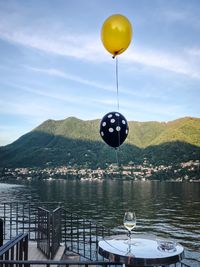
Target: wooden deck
35, 254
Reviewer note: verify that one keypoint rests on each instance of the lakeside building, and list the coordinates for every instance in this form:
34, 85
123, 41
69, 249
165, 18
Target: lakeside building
185, 171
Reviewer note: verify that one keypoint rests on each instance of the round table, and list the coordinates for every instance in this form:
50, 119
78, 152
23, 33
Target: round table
145, 251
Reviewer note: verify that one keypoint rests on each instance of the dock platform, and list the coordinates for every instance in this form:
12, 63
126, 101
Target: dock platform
35, 254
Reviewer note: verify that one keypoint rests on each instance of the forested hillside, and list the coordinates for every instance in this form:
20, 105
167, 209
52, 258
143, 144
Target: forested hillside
76, 142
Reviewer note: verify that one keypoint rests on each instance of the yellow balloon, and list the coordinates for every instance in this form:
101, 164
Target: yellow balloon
116, 34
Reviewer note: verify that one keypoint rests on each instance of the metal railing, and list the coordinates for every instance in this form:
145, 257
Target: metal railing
82, 236
67, 263
15, 249
1, 232
15, 253
77, 234
44, 228
56, 236
49, 231
22, 217
59, 263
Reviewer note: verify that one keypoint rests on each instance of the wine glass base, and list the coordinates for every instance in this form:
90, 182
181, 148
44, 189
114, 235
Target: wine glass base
131, 242
129, 254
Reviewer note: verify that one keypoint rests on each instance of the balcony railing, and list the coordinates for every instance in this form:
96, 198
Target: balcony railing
52, 263
15, 249
77, 234
22, 217
49, 231
67, 263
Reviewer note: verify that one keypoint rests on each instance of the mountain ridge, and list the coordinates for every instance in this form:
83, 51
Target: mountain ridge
141, 129
73, 141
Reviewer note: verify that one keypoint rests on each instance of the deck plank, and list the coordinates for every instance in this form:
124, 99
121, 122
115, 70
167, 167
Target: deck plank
35, 254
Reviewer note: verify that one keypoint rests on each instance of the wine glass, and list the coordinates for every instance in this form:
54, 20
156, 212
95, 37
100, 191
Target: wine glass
129, 223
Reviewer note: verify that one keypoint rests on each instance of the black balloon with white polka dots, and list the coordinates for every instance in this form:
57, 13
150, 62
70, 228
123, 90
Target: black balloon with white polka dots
114, 129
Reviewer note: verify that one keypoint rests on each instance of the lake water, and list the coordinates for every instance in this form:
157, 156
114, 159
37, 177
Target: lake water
162, 208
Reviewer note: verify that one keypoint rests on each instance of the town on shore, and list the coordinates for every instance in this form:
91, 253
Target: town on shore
185, 171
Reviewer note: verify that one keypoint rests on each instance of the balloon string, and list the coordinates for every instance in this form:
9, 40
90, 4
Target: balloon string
117, 156
117, 86
117, 82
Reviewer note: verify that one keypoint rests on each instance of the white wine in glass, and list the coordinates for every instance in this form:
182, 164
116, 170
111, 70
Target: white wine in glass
129, 222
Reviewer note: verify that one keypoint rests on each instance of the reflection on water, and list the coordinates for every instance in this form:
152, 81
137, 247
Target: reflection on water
16, 192
164, 209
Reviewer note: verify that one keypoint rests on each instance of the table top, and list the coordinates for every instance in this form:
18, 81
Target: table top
145, 251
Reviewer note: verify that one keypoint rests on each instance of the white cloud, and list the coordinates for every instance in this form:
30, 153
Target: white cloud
46, 106
78, 46
54, 95
94, 84
150, 94
75, 78
28, 108
164, 61
106, 101
186, 16
194, 52
10, 133
88, 47
155, 111
174, 15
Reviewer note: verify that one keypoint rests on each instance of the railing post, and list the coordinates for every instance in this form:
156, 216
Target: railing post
25, 245
56, 221
1, 232
50, 229
44, 231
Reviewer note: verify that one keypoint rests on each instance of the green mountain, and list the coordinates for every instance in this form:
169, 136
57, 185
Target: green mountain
76, 142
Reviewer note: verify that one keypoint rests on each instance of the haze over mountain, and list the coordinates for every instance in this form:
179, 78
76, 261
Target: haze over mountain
77, 143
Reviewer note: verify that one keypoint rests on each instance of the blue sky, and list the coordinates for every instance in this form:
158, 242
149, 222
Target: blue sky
53, 64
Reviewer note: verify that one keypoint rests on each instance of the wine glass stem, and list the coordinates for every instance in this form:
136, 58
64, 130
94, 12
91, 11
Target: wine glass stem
129, 236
